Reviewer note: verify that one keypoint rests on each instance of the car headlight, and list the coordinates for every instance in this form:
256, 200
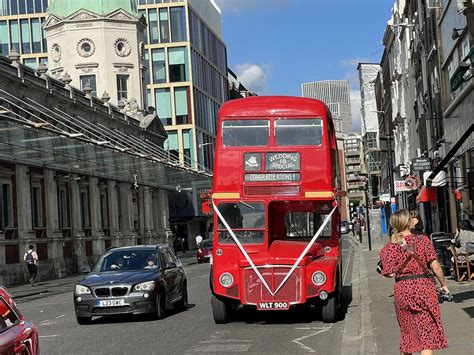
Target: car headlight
226, 279
318, 278
145, 286
82, 290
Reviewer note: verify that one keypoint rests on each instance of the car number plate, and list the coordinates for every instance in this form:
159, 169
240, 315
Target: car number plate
273, 306
110, 303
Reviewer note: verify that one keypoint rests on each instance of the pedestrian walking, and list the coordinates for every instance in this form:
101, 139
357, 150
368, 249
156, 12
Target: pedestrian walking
31, 260
417, 222
415, 298
198, 240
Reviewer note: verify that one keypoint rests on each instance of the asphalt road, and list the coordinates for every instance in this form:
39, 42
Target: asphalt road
191, 331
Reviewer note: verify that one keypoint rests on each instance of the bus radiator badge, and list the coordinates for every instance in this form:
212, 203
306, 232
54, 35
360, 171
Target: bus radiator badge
219, 252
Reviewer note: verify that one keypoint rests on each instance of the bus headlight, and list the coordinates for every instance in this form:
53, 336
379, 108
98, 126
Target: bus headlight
318, 278
226, 279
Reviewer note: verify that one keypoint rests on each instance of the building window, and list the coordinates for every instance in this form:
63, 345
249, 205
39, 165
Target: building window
181, 105
25, 36
122, 86
4, 37
177, 60
36, 206
36, 35
164, 26
188, 146
14, 36
159, 65
84, 205
163, 106
104, 210
178, 24
6, 206
63, 207
31, 62
153, 24
147, 73
172, 145
89, 81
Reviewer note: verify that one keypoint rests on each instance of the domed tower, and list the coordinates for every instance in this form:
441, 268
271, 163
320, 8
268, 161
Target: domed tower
100, 44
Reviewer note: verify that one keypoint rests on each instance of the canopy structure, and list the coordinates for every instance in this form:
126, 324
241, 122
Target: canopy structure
51, 138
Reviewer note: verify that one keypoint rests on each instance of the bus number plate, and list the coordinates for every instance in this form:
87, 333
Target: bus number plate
273, 306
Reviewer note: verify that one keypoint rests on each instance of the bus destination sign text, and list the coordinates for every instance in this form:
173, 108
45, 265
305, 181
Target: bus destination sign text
282, 161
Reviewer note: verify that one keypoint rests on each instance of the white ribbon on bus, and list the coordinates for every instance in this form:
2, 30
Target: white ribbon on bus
254, 268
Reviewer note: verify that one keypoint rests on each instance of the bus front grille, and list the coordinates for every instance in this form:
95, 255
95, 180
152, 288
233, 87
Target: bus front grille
256, 291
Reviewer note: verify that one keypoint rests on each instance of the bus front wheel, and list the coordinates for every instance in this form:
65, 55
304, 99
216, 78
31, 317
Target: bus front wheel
330, 310
220, 310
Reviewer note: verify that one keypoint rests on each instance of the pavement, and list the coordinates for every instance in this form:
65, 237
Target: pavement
371, 325
44, 288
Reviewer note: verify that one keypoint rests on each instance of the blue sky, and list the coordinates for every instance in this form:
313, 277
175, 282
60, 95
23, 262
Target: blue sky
275, 45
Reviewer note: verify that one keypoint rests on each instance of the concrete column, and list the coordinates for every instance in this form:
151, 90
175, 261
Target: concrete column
113, 212
142, 213
125, 213
23, 196
79, 249
97, 233
148, 214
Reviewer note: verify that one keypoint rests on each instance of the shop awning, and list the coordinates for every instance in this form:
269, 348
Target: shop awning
426, 194
450, 154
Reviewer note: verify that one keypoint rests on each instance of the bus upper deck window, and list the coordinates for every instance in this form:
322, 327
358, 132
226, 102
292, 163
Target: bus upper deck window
301, 131
237, 133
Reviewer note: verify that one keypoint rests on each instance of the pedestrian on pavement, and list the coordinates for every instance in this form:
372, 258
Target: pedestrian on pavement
464, 235
31, 260
415, 297
198, 240
417, 222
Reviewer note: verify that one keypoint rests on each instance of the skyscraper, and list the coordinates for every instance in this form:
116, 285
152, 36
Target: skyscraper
336, 95
185, 62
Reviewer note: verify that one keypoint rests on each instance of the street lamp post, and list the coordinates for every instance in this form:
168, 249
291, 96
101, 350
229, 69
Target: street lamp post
201, 145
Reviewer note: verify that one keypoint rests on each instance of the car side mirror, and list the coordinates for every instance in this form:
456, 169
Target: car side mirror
170, 265
86, 270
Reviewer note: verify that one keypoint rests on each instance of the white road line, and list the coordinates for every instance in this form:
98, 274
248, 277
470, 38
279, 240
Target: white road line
45, 321
344, 273
62, 315
305, 347
48, 336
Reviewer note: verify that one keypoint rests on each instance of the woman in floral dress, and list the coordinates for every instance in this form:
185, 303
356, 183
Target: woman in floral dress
415, 298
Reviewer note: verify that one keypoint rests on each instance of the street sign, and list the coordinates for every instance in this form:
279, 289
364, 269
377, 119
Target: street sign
400, 186
421, 164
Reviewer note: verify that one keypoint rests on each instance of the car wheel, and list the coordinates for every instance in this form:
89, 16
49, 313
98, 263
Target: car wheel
331, 309
183, 304
160, 305
83, 320
220, 310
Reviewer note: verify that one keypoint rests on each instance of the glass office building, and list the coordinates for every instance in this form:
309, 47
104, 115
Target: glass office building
186, 57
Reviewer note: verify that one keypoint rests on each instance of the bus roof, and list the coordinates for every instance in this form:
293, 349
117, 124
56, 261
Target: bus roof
272, 106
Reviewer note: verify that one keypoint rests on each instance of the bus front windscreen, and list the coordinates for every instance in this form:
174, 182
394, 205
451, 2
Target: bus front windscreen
241, 133
246, 220
300, 131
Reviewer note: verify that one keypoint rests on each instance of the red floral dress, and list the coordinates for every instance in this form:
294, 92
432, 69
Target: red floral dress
416, 302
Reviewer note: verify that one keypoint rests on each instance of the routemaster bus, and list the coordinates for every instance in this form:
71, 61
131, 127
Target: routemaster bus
275, 198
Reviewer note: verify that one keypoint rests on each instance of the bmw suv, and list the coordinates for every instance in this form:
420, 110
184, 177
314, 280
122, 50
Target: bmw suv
132, 280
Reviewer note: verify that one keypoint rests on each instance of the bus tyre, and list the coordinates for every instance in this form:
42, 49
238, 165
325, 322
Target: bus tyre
330, 310
220, 310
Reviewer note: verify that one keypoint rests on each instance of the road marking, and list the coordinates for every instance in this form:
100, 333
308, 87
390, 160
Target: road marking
305, 347
62, 315
221, 346
346, 267
46, 323
47, 320
48, 336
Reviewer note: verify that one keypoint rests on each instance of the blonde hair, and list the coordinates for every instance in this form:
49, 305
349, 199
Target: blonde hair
400, 221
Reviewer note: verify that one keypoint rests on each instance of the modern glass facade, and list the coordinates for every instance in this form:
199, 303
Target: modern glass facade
21, 24
187, 66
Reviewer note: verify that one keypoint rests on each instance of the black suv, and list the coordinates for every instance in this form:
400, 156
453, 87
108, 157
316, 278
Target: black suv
133, 280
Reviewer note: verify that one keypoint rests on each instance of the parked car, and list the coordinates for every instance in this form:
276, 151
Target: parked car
17, 334
132, 280
345, 227
204, 252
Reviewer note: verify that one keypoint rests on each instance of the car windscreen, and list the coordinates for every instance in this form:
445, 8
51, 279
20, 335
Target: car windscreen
300, 131
246, 219
238, 133
127, 260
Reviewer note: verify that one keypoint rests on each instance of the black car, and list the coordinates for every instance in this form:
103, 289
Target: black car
132, 280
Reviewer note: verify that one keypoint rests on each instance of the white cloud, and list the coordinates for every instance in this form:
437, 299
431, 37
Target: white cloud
353, 62
253, 76
238, 6
355, 109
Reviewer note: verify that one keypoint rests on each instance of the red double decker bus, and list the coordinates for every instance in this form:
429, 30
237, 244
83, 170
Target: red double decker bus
276, 220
